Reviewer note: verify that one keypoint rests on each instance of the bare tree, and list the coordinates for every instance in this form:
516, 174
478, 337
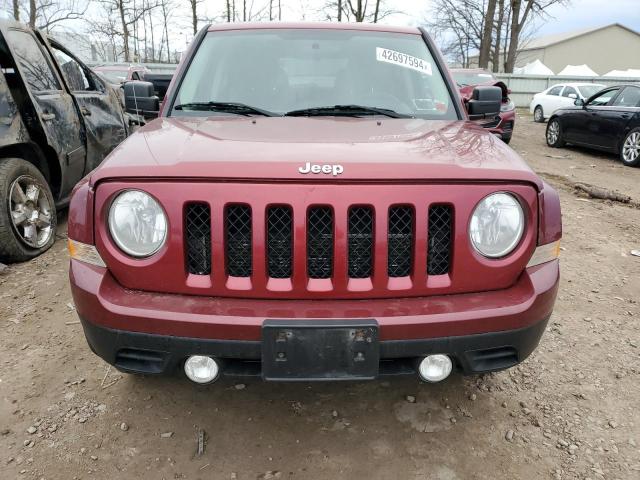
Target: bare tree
469, 27
355, 10
459, 26
522, 12
193, 4
32, 13
486, 39
127, 14
497, 44
165, 7
47, 14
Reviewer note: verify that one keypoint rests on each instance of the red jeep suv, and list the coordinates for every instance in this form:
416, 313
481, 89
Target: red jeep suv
314, 203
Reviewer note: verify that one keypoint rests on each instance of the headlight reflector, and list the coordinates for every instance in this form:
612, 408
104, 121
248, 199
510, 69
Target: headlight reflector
508, 106
137, 223
497, 225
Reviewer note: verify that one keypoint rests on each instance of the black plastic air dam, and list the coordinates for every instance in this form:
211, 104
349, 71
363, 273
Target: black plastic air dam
159, 354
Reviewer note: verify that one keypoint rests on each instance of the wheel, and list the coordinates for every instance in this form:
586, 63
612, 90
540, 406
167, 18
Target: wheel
27, 211
554, 133
630, 151
538, 115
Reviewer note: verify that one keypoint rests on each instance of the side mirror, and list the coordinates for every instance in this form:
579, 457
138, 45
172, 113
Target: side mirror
485, 102
139, 99
578, 102
572, 95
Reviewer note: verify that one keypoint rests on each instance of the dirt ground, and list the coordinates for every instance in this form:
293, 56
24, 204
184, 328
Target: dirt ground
569, 412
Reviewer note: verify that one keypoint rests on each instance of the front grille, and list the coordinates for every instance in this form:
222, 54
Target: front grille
238, 241
279, 242
332, 251
198, 238
360, 235
320, 242
400, 241
439, 236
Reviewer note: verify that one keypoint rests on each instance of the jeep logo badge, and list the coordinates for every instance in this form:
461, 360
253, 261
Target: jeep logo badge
334, 170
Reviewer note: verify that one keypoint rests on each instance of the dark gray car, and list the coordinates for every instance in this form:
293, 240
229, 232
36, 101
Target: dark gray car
58, 120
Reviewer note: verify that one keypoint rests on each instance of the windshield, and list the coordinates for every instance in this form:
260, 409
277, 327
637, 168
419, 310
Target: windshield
587, 90
476, 78
284, 70
114, 76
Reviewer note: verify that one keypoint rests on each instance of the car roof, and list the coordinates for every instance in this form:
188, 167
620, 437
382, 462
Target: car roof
375, 27
578, 84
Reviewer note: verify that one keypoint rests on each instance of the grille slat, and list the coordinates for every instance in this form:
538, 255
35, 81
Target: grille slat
400, 241
238, 241
198, 238
279, 242
360, 236
320, 242
439, 235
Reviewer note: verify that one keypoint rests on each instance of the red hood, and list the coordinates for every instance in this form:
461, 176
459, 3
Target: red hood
263, 148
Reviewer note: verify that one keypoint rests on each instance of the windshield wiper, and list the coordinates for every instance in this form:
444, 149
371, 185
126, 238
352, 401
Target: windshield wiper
226, 107
345, 111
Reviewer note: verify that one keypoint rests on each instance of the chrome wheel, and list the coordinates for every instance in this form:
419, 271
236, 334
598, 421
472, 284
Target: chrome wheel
631, 148
30, 211
553, 132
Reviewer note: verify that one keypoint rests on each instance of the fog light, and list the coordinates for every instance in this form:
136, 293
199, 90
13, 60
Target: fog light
435, 368
201, 369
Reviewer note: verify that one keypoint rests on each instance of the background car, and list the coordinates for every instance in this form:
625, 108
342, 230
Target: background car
609, 121
468, 78
120, 73
545, 103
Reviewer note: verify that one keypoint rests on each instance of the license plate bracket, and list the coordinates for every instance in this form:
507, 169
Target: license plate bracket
317, 350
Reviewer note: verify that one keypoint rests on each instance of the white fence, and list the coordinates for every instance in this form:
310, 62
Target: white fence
524, 87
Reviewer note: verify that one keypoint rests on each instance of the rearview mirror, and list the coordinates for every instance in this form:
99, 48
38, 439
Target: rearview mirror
485, 102
579, 102
572, 95
139, 99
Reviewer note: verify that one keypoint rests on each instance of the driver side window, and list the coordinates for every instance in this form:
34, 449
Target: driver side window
630, 97
555, 91
603, 98
73, 73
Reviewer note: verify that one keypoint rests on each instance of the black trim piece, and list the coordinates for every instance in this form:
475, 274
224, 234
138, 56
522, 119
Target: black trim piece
160, 354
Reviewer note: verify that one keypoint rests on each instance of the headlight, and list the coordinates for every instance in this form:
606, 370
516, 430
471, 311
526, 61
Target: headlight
507, 107
137, 223
496, 225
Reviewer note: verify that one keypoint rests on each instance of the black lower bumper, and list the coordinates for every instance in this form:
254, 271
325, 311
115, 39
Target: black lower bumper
142, 353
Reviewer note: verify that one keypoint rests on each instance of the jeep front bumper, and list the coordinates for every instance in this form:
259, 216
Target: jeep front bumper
153, 333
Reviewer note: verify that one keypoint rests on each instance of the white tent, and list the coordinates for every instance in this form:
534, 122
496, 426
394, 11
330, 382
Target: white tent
630, 73
578, 71
534, 68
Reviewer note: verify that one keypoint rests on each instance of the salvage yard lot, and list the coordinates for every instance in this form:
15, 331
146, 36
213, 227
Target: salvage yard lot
568, 412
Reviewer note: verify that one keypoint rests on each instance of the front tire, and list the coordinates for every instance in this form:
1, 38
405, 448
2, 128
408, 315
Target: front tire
554, 134
27, 211
538, 115
630, 150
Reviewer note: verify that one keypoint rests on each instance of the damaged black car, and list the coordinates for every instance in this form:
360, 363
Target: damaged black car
58, 120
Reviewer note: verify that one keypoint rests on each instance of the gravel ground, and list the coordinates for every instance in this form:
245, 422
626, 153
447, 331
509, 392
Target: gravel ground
568, 412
